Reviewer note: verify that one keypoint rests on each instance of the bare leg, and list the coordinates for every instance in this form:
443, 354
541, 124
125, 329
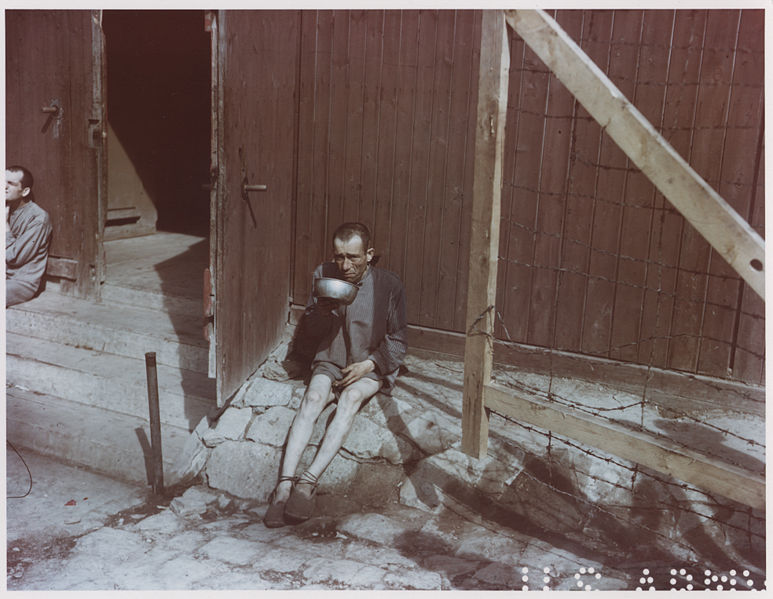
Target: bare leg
317, 396
348, 404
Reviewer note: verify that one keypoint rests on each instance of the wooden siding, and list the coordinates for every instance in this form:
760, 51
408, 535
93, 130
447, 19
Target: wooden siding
385, 136
50, 56
593, 259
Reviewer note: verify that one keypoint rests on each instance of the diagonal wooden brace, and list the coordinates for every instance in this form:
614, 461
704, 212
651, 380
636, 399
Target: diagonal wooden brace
727, 232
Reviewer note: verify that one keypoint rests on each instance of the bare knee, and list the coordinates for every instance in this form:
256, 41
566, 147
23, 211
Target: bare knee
313, 401
350, 401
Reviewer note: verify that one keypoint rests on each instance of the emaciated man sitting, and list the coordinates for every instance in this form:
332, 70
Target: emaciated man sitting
361, 350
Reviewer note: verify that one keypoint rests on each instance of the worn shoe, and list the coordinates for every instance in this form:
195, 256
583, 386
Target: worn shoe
300, 507
274, 516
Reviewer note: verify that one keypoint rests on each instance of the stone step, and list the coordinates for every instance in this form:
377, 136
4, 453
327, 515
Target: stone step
105, 380
153, 299
109, 442
175, 337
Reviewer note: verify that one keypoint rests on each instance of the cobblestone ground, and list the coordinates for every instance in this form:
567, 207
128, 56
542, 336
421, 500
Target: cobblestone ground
76, 530
227, 547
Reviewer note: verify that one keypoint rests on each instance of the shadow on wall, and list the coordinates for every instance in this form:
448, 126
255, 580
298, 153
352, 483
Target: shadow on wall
158, 79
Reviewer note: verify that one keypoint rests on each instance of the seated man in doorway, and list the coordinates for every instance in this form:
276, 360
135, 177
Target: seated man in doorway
27, 236
362, 348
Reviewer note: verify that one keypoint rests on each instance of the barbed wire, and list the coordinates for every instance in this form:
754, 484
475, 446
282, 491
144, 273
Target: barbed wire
636, 471
551, 396
516, 39
664, 130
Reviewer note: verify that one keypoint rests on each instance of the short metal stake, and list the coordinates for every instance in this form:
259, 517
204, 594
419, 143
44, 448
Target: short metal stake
156, 462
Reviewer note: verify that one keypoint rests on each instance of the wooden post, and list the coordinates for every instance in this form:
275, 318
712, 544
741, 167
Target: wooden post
484, 238
727, 232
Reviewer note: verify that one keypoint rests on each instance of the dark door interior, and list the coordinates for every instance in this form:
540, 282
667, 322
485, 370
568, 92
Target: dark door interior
158, 80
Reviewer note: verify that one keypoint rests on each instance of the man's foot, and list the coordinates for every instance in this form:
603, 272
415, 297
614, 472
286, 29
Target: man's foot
300, 505
274, 516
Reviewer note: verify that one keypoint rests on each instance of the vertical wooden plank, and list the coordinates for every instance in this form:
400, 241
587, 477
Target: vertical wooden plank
355, 117
636, 81
420, 155
318, 162
736, 183
749, 350
528, 134
447, 300
304, 219
607, 186
549, 221
406, 85
678, 113
462, 266
652, 87
506, 266
484, 230
371, 101
435, 195
388, 93
337, 119
706, 147
580, 193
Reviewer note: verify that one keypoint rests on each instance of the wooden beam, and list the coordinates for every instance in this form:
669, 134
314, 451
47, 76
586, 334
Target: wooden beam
656, 453
726, 231
63, 268
484, 237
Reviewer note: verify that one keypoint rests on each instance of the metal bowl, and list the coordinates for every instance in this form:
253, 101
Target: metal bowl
337, 289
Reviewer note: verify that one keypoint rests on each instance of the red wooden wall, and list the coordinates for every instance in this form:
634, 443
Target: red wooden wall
592, 258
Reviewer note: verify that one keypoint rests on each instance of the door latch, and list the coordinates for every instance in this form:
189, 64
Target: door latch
55, 114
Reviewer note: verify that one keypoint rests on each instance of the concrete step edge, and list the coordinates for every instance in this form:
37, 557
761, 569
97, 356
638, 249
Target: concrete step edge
98, 439
184, 328
74, 332
152, 300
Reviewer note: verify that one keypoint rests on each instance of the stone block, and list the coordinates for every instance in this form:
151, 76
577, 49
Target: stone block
283, 560
165, 522
337, 477
504, 576
231, 550
451, 566
420, 494
389, 411
368, 440
230, 427
193, 457
404, 578
455, 473
347, 573
194, 501
372, 527
121, 544
261, 393
426, 432
271, 427
244, 469
486, 546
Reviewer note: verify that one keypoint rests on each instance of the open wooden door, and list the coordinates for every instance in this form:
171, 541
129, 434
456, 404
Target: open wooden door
55, 117
255, 72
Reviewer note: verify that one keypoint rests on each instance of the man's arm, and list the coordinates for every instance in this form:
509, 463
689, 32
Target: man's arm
389, 354
20, 250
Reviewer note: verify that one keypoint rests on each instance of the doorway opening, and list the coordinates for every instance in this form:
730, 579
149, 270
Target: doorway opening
158, 148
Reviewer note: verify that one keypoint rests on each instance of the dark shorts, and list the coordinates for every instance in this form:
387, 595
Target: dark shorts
334, 373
